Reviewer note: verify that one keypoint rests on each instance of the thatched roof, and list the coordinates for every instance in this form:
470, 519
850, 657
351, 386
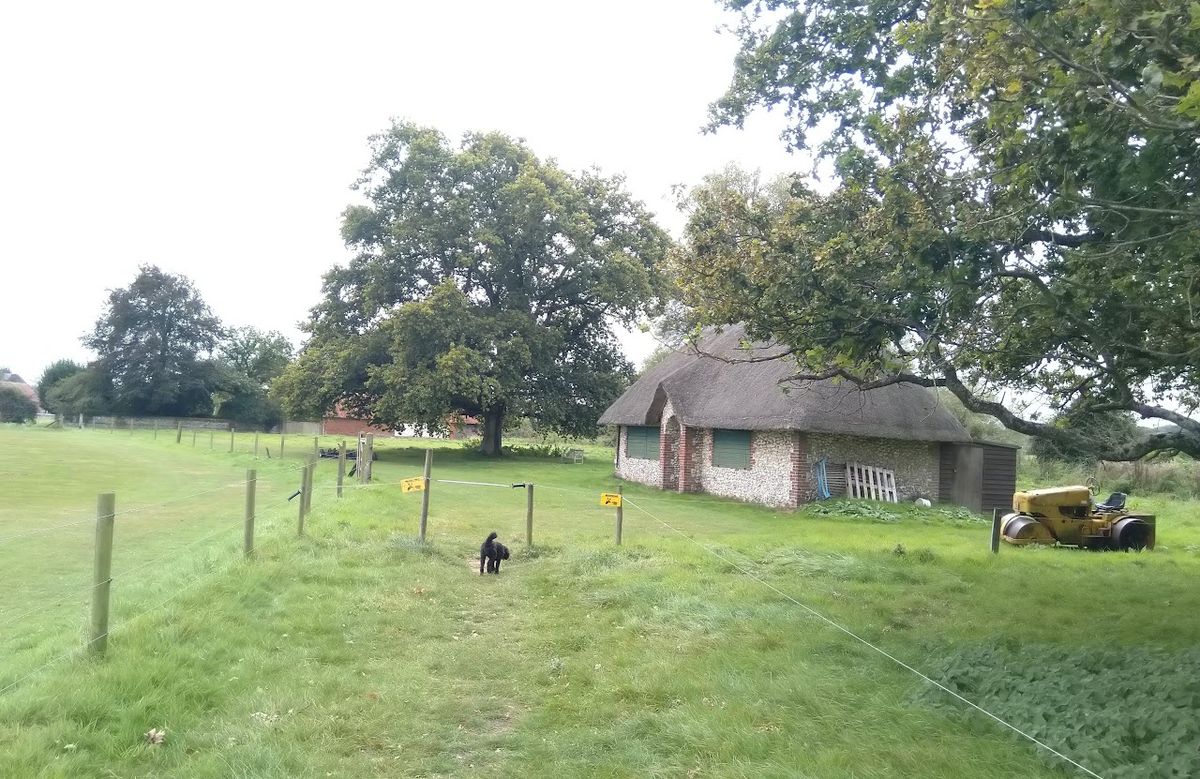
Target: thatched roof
709, 387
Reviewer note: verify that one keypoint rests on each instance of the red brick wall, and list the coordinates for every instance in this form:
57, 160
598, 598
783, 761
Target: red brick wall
344, 426
688, 476
802, 486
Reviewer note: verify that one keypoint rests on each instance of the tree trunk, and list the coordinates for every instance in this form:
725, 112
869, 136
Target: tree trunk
493, 421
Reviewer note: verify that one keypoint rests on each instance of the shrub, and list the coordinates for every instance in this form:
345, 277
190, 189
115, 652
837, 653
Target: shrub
15, 407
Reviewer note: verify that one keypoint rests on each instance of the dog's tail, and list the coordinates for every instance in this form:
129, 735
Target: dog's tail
491, 536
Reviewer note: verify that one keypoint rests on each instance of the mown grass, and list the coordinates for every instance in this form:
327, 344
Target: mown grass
358, 652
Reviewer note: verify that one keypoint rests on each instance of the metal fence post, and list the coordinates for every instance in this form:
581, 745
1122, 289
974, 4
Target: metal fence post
995, 531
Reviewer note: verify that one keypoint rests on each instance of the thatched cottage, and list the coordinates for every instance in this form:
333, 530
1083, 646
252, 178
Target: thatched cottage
722, 420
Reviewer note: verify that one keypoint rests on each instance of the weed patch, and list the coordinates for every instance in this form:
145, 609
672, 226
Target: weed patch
1128, 712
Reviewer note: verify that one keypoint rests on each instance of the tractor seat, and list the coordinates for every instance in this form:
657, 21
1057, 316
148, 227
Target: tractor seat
1115, 502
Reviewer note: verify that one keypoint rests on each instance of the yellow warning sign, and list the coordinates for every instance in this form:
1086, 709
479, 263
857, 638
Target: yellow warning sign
610, 499
415, 484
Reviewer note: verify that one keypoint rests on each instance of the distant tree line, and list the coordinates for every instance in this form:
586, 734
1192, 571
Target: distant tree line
161, 352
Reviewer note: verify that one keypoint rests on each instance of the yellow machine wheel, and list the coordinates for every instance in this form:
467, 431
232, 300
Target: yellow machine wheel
1022, 529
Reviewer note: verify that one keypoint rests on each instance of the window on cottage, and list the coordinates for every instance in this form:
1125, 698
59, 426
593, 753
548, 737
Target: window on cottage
731, 449
642, 443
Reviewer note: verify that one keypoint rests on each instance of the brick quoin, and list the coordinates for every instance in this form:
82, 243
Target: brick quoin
801, 480
687, 473
664, 457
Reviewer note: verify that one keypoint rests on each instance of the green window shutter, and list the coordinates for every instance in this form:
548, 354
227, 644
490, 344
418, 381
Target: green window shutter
731, 449
642, 443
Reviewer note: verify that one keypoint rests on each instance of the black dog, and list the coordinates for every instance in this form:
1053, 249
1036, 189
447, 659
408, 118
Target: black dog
491, 553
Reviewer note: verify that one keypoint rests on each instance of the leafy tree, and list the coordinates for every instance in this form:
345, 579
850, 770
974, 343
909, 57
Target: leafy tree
56, 372
240, 398
1014, 204
1093, 432
150, 341
15, 406
485, 282
86, 392
261, 356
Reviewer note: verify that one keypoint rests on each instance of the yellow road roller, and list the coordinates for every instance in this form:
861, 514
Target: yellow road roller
1070, 516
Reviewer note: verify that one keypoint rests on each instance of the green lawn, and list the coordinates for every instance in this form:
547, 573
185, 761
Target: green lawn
357, 652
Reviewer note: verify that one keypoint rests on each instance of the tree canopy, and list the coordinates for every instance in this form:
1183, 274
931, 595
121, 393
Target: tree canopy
54, 373
1013, 204
485, 281
259, 355
150, 341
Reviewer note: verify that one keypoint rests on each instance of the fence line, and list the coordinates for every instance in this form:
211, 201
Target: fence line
176, 592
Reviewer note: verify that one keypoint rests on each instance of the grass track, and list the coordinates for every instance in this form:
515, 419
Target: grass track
356, 652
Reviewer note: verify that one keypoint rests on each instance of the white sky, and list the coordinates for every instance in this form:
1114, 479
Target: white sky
219, 140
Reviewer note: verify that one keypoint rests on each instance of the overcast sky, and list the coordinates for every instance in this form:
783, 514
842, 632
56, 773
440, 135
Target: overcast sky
219, 140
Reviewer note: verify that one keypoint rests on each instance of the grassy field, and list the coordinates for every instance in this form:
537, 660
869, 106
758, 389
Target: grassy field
358, 652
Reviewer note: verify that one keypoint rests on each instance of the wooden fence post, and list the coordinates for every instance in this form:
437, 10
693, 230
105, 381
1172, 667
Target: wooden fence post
995, 545
425, 492
620, 513
112, 424
359, 455
316, 446
106, 507
312, 472
251, 484
529, 514
256, 445
193, 438
280, 444
155, 429
232, 430
303, 492
178, 432
370, 455
341, 466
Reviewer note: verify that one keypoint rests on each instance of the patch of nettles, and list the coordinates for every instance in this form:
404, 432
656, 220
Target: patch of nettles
1122, 712
878, 511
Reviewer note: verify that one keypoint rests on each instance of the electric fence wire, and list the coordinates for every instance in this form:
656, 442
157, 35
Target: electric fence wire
136, 509
176, 592
813, 612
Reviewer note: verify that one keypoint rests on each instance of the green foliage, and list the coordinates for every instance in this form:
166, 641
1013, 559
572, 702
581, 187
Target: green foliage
150, 340
86, 392
15, 406
980, 427
879, 511
485, 282
1095, 432
56, 372
1013, 202
1128, 712
260, 356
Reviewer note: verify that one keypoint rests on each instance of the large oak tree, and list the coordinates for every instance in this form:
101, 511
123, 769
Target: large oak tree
485, 281
1013, 204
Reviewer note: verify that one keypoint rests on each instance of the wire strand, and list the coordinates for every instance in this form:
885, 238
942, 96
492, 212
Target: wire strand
865, 642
